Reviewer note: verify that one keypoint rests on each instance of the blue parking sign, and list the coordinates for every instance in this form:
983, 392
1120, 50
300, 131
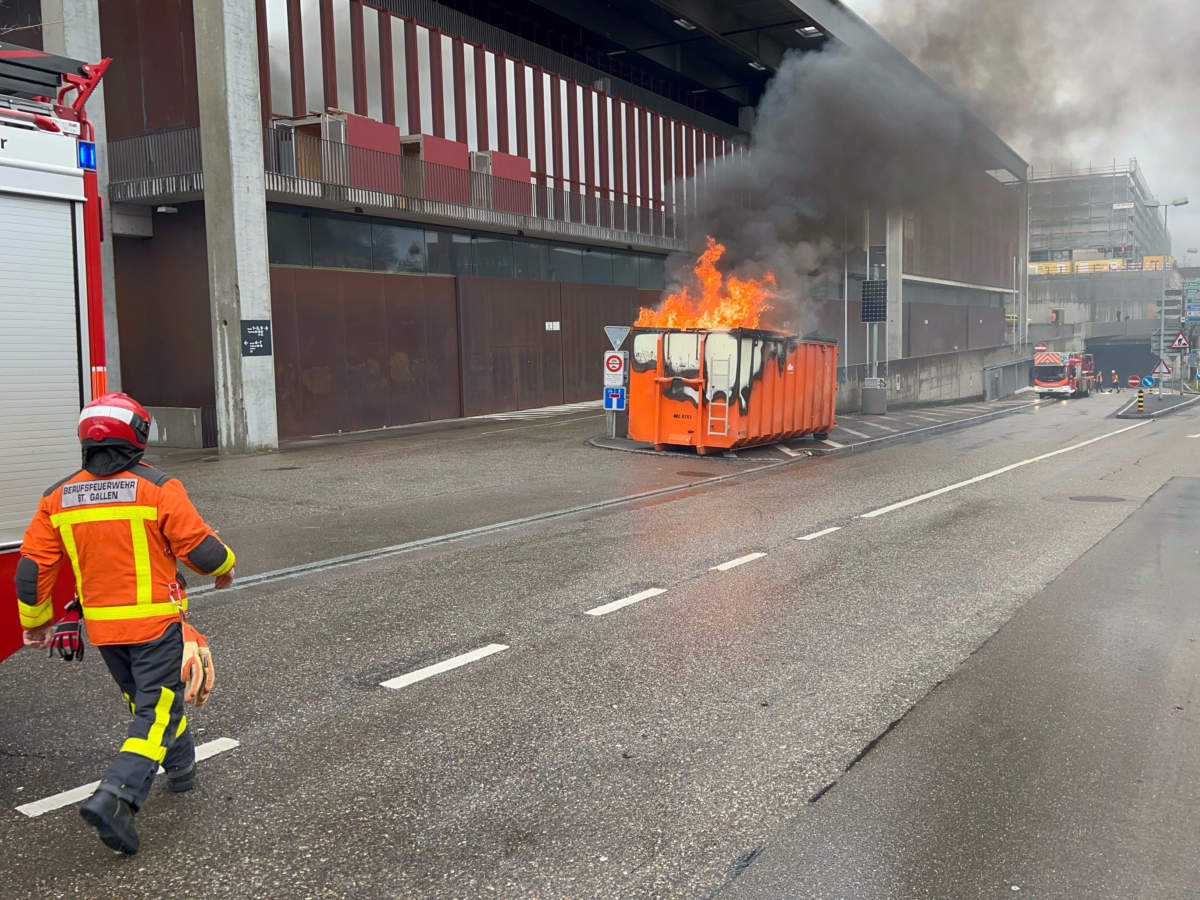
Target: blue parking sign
614, 399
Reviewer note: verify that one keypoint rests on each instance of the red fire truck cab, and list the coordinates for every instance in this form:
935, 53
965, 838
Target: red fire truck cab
1063, 374
52, 341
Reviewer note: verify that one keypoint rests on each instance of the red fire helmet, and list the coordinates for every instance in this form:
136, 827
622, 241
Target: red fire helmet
115, 416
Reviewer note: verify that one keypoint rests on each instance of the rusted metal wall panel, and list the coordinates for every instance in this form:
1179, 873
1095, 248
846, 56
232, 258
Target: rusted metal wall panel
509, 359
586, 309
163, 317
422, 361
931, 328
151, 85
359, 350
985, 327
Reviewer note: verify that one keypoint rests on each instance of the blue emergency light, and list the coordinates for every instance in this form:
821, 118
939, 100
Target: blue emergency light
87, 155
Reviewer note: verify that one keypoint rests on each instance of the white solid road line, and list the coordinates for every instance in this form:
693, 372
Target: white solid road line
734, 563
66, 798
841, 427
788, 450
984, 477
924, 418
625, 601
444, 666
880, 425
1194, 435
814, 536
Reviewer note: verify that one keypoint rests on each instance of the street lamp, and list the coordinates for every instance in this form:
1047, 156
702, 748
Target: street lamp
1162, 302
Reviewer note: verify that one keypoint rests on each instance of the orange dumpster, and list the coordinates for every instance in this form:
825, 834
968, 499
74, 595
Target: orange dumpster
719, 389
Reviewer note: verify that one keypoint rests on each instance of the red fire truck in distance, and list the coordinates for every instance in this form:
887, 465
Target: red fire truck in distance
1063, 374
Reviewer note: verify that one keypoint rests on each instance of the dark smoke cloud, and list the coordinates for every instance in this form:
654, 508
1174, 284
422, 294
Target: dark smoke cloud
1069, 83
837, 133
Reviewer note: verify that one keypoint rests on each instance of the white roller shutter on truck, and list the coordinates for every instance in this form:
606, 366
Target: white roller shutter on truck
39, 354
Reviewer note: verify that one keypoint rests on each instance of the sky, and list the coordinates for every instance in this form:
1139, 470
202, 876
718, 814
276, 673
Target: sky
1071, 83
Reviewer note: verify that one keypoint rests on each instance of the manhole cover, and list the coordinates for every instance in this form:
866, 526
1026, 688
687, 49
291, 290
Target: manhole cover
1098, 499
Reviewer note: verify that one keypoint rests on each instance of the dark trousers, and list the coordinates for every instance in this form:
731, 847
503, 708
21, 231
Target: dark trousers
148, 675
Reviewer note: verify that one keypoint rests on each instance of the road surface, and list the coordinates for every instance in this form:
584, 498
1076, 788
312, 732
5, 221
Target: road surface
652, 698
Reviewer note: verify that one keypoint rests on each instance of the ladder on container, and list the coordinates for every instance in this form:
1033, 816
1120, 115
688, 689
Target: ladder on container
718, 414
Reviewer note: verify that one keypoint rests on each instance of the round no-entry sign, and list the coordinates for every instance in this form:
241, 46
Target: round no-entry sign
614, 367
1134, 381
1039, 347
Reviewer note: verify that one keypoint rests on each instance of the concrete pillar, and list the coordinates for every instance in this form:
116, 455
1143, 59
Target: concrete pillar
235, 218
895, 285
71, 28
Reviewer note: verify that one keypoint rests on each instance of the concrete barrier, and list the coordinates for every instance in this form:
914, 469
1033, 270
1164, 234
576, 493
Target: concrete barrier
176, 426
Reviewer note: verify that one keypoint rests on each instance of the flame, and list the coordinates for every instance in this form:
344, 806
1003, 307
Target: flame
713, 301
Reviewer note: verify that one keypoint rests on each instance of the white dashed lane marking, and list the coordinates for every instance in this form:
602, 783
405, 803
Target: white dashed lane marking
625, 601
820, 534
445, 665
734, 563
75, 795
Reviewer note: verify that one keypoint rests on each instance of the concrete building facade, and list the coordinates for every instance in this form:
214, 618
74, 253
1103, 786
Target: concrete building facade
336, 215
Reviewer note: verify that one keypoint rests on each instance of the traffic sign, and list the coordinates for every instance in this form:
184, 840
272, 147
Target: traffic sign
1134, 381
617, 334
1039, 347
614, 367
1191, 290
1180, 342
1148, 382
614, 399
1162, 368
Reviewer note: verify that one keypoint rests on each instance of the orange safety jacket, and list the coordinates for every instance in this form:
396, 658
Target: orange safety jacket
122, 535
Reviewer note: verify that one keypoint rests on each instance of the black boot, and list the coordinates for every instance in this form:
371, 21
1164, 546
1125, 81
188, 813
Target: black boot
113, 817
185, 780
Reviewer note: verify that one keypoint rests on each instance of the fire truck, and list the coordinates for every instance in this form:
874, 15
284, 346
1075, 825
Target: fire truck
1063, 374
52, 338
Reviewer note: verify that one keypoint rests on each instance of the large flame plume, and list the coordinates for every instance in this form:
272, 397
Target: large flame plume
713, 301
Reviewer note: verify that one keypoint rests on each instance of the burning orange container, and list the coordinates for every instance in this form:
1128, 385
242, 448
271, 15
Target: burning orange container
725, 388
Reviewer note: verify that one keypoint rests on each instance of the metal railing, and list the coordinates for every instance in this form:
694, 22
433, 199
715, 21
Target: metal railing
155, 166
305, 168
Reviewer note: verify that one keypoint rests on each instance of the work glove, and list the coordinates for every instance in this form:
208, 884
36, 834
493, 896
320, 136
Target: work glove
67, 638
197, 671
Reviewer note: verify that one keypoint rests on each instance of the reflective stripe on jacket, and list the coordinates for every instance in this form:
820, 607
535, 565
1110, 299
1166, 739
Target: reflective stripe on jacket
121, 535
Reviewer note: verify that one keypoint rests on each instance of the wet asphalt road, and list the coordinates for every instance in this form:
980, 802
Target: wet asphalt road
667, 748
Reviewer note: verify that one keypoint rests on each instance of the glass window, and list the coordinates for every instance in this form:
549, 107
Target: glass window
287, 238
652, 273
493, 256
531, 261
341, 243
396, 248
437, 252
597, 266
566, 263
462, 259
625, 269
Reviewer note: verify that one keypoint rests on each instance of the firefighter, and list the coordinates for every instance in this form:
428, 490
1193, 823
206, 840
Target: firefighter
122, 525
1116, 382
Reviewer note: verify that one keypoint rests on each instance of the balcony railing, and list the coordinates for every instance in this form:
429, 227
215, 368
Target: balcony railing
306, 169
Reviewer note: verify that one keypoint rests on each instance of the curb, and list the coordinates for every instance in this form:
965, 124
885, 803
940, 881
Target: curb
1125, 414
869, 444
932, 429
